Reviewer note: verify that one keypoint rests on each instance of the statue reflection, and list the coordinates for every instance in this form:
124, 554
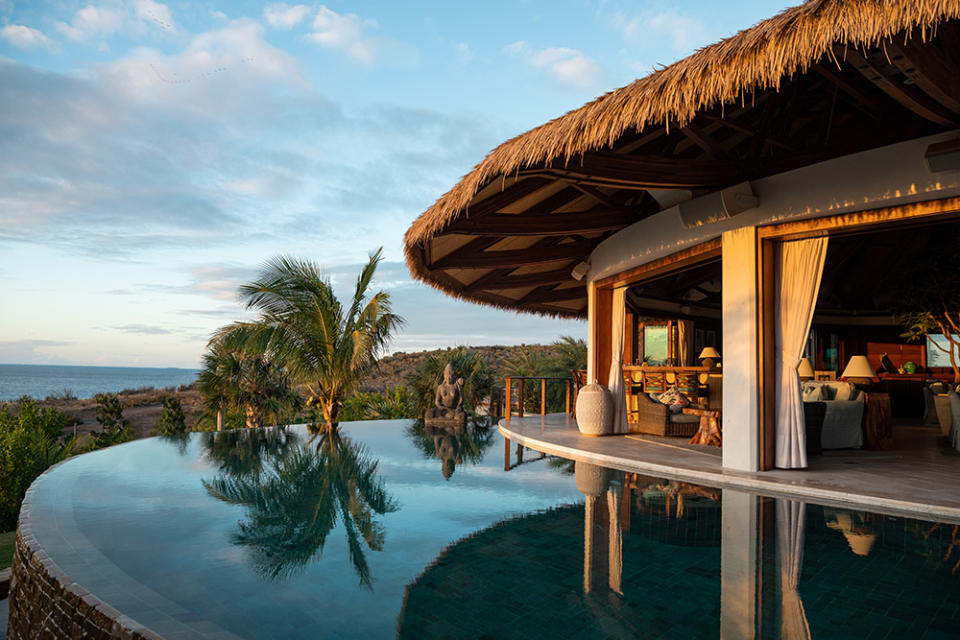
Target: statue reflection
452, 443
295, 493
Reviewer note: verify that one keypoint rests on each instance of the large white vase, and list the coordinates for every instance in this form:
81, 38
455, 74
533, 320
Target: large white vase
594, 410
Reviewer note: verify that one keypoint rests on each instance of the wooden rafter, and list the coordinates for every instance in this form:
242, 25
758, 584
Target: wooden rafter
928, 69
555, 276
860, 98
557, 224
907, 95
548, 294
515, 257
642, 171
703, 140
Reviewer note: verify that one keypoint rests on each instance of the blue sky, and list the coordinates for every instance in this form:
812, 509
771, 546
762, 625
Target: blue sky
153, 155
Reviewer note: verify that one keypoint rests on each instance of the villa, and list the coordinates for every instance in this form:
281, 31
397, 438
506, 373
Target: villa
757, 202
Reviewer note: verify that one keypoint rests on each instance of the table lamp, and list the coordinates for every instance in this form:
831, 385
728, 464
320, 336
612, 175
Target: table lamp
805, 369
859, 371
709, 357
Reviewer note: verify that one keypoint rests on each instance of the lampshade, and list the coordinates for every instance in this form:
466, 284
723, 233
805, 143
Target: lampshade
859, 367
805, 369
709, 352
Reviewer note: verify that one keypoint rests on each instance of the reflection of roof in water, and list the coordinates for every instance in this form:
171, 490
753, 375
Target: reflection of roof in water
523, 577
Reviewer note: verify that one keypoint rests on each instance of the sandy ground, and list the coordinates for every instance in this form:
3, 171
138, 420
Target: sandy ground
142, 408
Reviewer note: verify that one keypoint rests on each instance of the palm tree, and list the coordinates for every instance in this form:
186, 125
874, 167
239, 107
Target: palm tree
296, 501
236, 378
322, 345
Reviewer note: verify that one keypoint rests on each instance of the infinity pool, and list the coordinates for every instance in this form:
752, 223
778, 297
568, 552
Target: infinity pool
394, 530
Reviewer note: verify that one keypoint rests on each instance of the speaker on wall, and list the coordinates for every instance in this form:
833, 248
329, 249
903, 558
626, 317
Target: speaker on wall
718, 205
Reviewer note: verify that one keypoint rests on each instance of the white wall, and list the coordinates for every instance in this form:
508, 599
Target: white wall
741, 396
881, 177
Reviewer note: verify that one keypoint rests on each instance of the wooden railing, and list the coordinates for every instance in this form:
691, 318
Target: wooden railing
520, 383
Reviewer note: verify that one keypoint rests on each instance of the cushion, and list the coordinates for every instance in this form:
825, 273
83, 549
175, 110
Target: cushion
812, 393
937, 388
845, 391
654, 396
682, 418
688, 383
828, 392
674, 400
655, 382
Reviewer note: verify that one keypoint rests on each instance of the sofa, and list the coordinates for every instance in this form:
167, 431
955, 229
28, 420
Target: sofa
842, 413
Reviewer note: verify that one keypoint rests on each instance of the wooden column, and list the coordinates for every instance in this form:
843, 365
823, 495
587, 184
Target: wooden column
602, 333
508, 399
543, 396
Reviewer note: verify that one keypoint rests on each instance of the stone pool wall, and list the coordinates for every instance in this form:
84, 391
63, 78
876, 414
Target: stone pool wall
45, 603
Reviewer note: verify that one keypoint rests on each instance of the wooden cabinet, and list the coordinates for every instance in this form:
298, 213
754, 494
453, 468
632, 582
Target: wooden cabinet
877, 422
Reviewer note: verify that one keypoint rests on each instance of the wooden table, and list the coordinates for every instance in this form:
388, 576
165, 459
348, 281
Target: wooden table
709, 432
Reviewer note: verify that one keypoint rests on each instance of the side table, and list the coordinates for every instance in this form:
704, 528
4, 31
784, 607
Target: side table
877, 422
709, 433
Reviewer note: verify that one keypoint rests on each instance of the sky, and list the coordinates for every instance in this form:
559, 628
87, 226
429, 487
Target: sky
153, 156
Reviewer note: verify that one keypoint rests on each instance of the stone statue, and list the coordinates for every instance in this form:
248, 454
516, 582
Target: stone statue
449, 401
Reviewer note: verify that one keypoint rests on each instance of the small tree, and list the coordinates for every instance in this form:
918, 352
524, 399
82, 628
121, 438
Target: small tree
171, 420
115, 428
927, 295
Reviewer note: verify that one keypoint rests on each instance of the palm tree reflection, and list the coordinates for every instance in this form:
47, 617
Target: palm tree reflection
453, 444
296, 498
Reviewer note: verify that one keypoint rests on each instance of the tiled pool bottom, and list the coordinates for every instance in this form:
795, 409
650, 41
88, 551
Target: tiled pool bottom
271, 535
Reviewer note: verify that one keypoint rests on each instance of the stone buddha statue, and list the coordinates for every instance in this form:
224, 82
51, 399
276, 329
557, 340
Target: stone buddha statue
449, 399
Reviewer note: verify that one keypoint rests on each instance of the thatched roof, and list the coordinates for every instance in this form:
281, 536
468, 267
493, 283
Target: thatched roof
879, 71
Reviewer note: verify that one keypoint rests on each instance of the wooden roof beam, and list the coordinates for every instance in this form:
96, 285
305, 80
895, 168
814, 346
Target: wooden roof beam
908, 96
546, 295
556, 224
516, 257
642, 171
555, 276
741, 128
929, 70
861, 98
506, 197
702, 139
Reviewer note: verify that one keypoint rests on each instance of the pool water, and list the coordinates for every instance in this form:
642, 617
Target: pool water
397, 530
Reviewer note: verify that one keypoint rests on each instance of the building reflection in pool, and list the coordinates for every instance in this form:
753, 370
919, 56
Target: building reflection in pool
453, 444
295, 493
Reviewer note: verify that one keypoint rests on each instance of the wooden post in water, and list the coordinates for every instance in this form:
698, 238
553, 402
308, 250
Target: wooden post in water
506, 453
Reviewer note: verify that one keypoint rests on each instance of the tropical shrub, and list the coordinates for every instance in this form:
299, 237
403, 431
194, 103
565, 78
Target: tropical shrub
171, 420
114, 427
389, 405
30, 442
479, 383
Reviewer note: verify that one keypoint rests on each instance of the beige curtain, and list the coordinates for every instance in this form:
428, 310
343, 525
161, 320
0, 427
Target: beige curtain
685, 343
799, 266
615, 377
790, 539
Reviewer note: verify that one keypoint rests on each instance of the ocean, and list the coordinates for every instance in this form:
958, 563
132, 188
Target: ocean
40, 381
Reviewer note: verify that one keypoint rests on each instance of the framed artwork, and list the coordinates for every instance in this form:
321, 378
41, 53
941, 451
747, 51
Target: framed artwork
824, 375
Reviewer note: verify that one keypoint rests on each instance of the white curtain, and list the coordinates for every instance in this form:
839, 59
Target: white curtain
615, 377
799, 266
790, 539
685, 343
615, 545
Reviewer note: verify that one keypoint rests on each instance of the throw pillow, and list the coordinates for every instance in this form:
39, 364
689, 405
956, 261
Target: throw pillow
813, 393
674, 400
844, 391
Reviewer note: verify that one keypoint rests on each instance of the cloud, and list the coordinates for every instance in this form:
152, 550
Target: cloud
284, 16
29, 351
683, 32
355, 37
568, 67
142, 329
92, 22
23, 37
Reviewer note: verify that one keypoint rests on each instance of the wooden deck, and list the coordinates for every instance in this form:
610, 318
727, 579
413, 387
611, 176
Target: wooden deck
920, 478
